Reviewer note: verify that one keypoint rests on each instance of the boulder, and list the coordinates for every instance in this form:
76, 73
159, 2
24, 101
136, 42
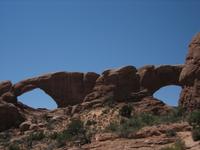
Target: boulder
10, 116
151, 105
25, 126
5, 86
9, 97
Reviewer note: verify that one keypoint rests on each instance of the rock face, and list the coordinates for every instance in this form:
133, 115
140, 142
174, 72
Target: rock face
130, 84
5, 86
118, 84
10, 116
123, 84
190, 77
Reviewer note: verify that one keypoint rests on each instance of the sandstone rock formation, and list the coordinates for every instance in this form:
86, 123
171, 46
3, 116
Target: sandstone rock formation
123, 84
153, 78
129, 84
10, 116
5, 86
190, 77
116, 83
97, 101
65, 88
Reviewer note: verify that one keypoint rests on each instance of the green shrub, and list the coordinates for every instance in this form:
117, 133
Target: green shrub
128, 126
180, 111
74, 132
126, 111
75, 127
178, 145
170, 133
136, 122
36, 136
172, 117
148, 119
90, 122
196, 134
194, 119
53, 135
125, 126
110, 102
62, 137
105, 111
113, 127
13, 147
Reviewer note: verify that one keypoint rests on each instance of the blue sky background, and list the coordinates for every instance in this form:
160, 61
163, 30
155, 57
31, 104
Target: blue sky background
39, 37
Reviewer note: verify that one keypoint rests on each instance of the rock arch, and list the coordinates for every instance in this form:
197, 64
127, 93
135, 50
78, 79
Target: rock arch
129, 83
123, 83
64, 87
153, 78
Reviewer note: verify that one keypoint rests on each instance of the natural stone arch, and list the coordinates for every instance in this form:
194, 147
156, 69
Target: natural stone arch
153, 78
64, 87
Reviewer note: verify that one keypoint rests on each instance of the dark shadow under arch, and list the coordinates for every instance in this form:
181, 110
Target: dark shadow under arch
37, 98
169, 94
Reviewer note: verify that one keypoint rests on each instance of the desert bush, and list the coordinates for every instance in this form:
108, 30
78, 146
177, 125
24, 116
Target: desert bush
110, 102
74, 132
35, 136
113, 127
75, 127
196, 134
136, 122
174, 116
128, 126
90, 122
126, 111
124, 127
53, 135
105, 111
13, 147
170, 133
148, 119
178, 145
194, 119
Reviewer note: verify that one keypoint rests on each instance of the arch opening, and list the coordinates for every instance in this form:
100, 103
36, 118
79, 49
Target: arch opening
169, 94
37, 98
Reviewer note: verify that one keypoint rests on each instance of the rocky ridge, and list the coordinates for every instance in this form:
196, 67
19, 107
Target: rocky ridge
99, 97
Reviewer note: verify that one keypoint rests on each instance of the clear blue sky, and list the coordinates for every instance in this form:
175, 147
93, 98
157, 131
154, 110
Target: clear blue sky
40, 36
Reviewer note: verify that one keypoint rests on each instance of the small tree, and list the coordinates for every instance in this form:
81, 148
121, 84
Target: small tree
126, 111
196, 134
194, 119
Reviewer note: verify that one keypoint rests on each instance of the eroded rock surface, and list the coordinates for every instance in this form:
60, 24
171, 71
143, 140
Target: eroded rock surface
123, 84
190, 77
10, 116
5, 86
65, 88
